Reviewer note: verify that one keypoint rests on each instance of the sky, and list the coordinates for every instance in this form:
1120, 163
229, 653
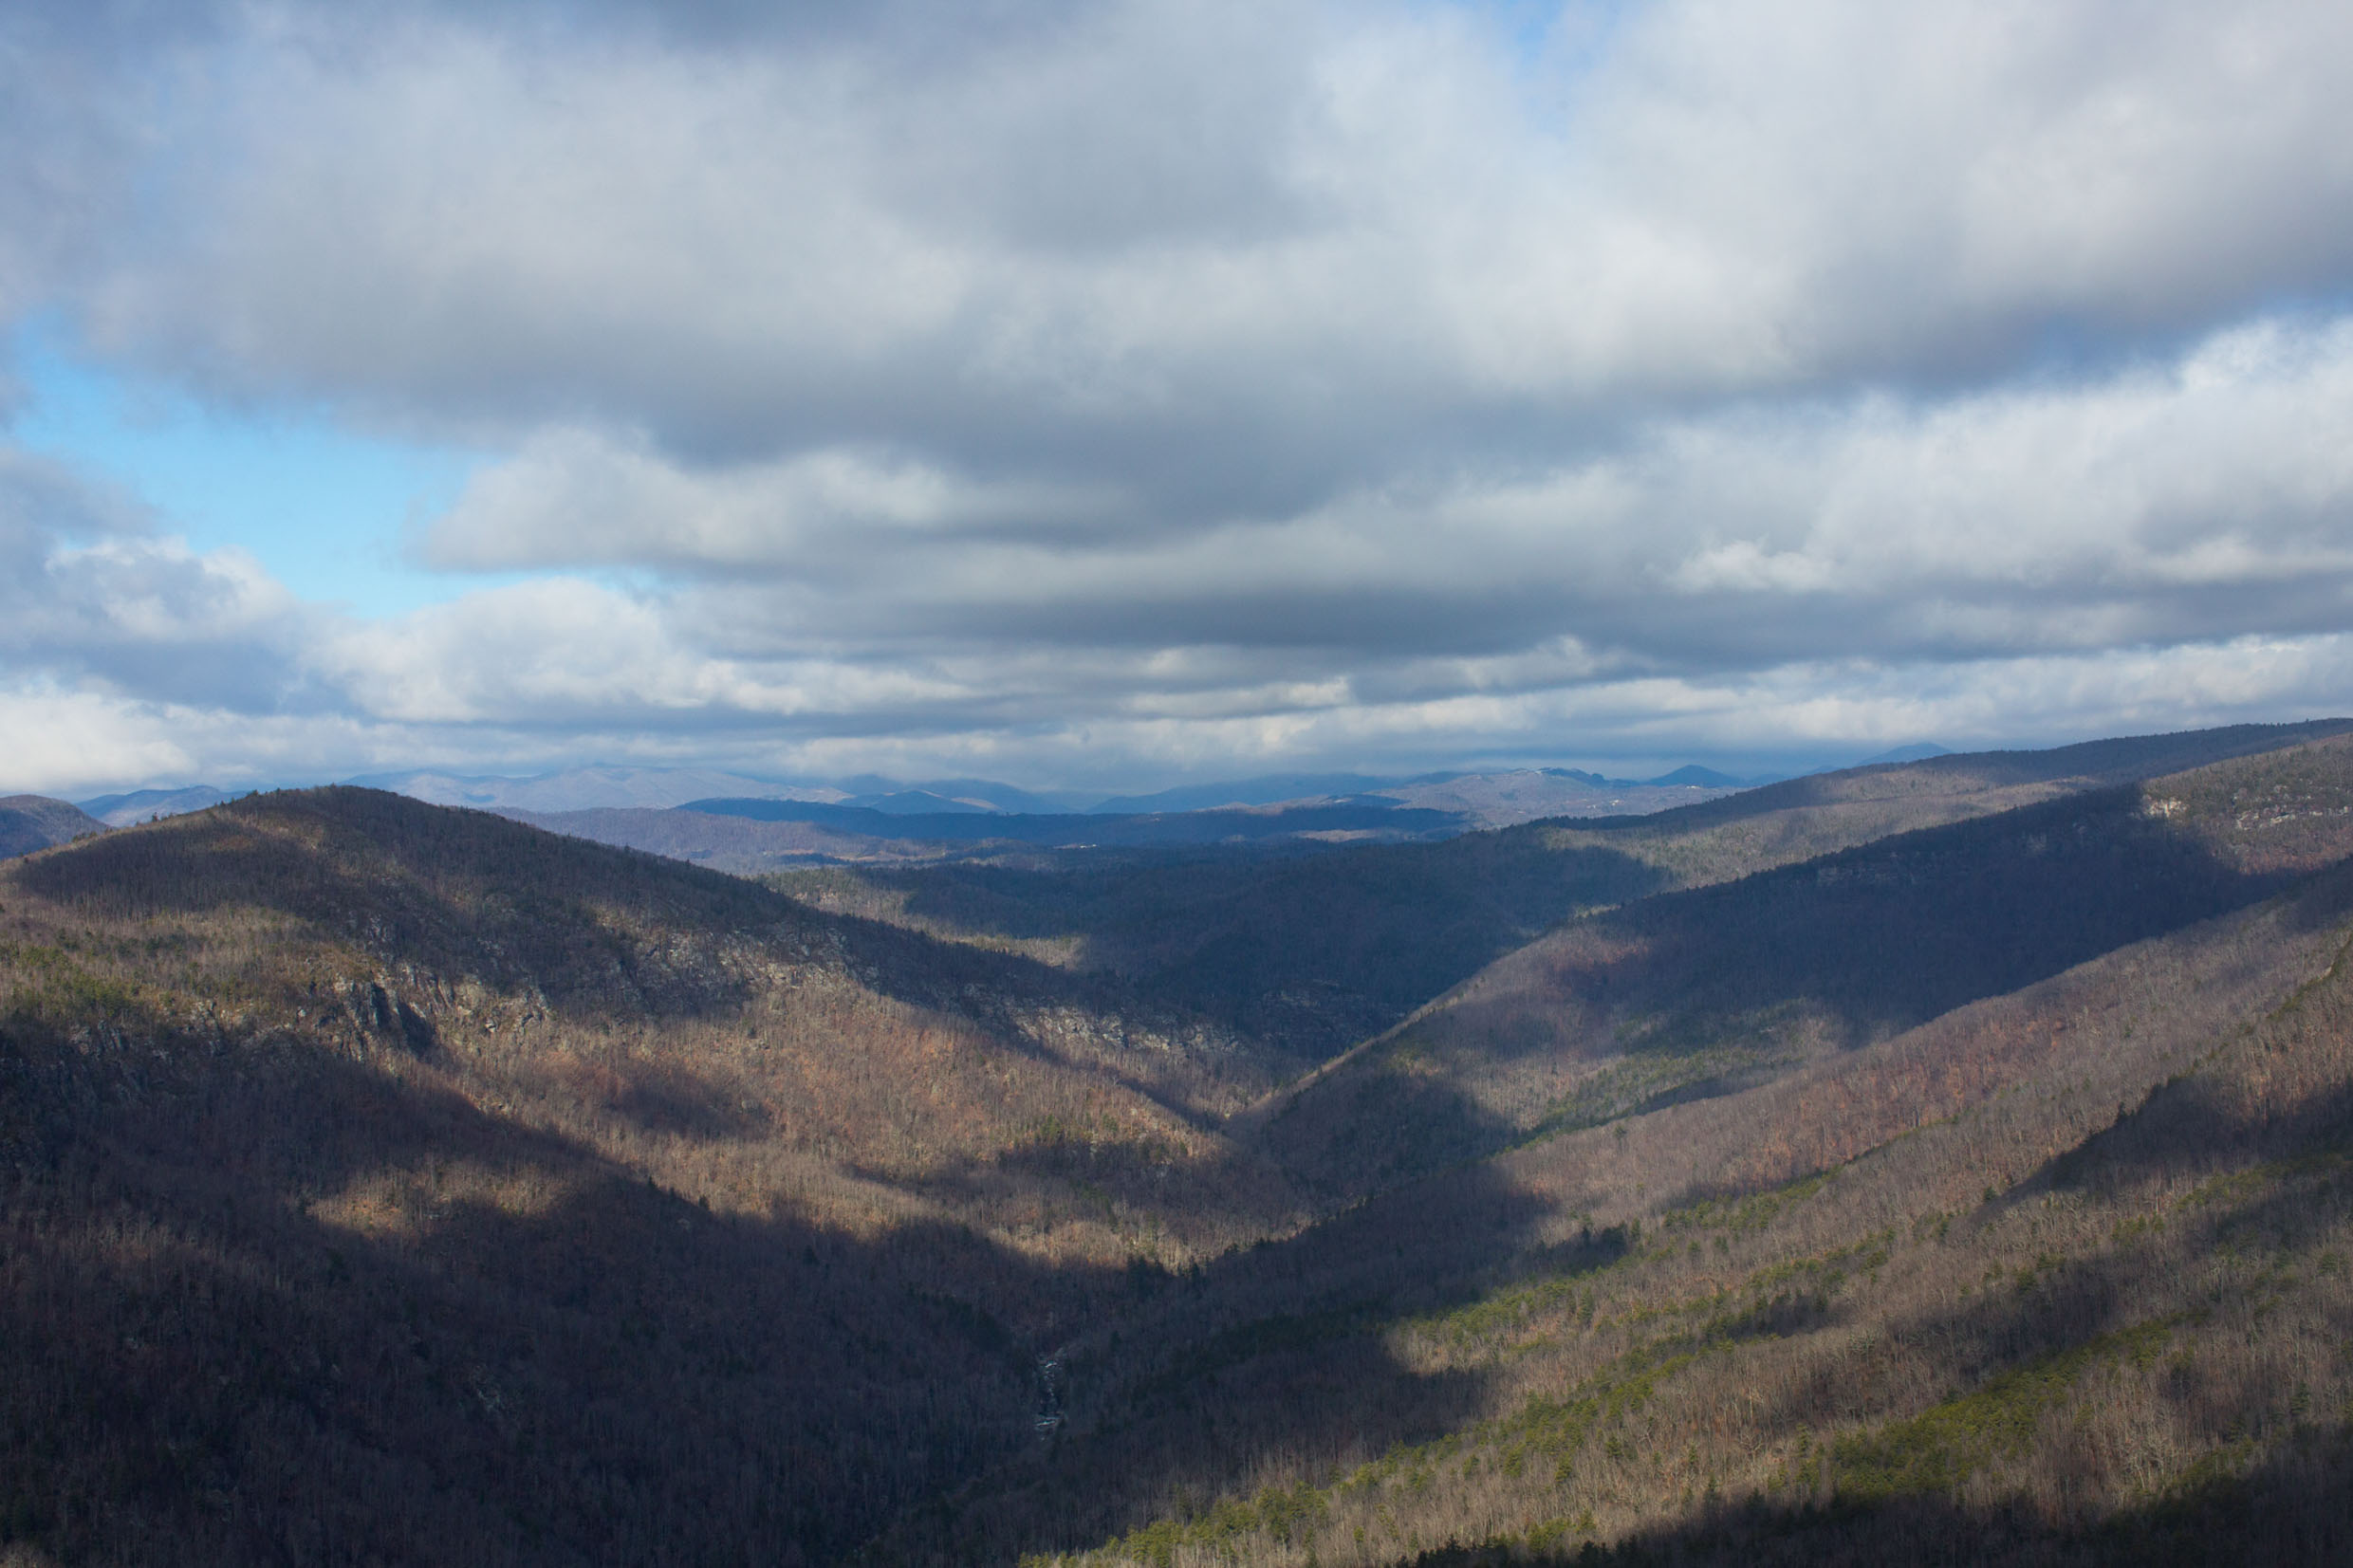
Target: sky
1108, 395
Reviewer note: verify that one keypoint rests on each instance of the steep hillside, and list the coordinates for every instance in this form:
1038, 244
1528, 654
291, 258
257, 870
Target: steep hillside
2059, 1277
1309, 953
386, 1182
1706, 990
29, 823
1314, 952
1799, 819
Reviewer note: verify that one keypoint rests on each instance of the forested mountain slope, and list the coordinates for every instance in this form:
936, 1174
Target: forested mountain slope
1312, 952
387, 1183
1710, 990
1826, 811
384, 1183
2059, 1277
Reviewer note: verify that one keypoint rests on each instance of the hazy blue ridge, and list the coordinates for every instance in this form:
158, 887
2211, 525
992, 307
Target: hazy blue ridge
138, 806
1076, 828
1265, 789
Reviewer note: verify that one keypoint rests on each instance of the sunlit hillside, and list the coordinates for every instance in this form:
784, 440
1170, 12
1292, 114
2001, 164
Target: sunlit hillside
1951, 1151
1695, 992
384, 1177
2059, 1273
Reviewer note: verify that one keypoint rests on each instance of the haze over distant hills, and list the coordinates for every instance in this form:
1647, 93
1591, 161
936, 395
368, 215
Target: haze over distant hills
867, 819
742, 823
141, 805
582, 788
29, 823
768, 833
624, 787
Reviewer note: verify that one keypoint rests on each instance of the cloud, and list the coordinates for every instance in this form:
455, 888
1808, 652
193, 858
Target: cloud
2164, 544
2204, 498
571, 496
1157, 381
1298, 236
86, 591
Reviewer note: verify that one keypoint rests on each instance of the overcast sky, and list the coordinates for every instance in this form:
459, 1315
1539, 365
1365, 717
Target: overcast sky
1112, 394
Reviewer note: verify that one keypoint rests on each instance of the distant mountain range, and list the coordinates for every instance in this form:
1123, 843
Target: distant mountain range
584, 788
783, 823
34, 821
661, 788
752, 834
141, 805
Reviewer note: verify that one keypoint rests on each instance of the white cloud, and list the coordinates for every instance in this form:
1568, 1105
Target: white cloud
1149, 380
1123, 218
570, 497
2209, 497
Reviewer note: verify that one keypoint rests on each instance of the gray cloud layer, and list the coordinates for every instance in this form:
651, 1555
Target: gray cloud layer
1096, 390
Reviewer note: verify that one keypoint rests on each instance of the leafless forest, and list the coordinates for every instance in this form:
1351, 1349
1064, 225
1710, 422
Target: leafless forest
1942, 1162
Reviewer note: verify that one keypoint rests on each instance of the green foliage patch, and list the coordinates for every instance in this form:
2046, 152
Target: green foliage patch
1747, 1214
1643, 1081
1936, 1452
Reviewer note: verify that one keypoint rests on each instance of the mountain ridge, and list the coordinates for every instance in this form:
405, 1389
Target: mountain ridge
1963, 1140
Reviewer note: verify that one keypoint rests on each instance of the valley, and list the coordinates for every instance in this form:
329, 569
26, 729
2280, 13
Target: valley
1957, 1146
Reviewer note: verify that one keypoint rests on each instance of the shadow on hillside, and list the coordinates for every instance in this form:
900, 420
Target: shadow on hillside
1690, 995
1372, 1127
280, 1305
2262, 1204
654, 1097
1267, 1366
1878, 939
1289, 1320
2290, 1511
2325, 899
290, 1308
2191, 1125
1105, 1171
1312, 950
596, 933
2098, 764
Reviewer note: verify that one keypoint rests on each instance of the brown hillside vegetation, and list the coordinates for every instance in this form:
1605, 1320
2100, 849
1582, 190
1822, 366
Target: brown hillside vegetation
1802, 817
1311, 953
1711, 990
383, 1184
387, 1183
2067, 1276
